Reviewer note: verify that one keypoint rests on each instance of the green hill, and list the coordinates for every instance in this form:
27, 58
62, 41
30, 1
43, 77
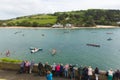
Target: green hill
32, 21
82, 18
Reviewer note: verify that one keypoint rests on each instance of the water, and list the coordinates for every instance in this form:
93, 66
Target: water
70, 45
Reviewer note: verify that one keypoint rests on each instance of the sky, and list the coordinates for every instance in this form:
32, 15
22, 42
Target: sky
16, 8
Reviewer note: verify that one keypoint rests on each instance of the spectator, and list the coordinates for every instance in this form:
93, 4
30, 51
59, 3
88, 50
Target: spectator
49, 75
58, 70
47, 67
110, 74
80, 73
90, 73
22, 67
53, 69
27, 66
40, 68
31, 66
117, 74
66, 67
72, 72
96, 73
85, 73
61, 70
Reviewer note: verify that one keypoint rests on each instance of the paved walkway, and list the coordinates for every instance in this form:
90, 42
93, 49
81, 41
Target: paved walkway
13, 75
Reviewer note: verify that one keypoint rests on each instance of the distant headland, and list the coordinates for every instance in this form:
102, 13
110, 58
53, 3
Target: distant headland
82, 18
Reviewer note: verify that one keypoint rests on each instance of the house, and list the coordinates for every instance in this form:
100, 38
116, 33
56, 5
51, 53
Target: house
68, 25
57, 26
118, 22
4, 24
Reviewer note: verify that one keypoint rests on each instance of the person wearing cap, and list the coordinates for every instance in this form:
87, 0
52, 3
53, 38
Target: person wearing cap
49, 75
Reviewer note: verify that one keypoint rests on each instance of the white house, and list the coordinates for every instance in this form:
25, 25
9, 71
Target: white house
68, 25
118, 22
57, 26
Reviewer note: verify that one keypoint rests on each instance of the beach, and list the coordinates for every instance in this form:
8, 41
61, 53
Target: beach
97, 26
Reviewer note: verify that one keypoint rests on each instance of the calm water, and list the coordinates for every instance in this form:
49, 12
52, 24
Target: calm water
70, 45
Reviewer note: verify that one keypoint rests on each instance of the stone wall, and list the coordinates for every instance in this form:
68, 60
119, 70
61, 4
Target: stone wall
16, 67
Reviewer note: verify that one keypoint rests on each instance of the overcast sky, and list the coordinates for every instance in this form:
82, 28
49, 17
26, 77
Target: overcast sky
15, 8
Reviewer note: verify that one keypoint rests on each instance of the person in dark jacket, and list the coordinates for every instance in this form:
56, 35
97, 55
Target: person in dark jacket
47, 67
85, 73
72, 71
61, 70
40, 68
96, 73
117, 74
80, 72
22, 67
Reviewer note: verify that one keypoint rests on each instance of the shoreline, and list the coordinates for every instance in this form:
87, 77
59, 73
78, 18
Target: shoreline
23, 27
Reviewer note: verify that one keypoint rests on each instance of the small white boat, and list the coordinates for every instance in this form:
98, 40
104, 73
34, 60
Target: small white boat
34, 50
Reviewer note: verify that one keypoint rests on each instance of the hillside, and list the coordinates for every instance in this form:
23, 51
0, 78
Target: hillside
32, 21
82, 18
91, 17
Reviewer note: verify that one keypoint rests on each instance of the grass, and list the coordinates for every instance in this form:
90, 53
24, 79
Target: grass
10, 60
40, 19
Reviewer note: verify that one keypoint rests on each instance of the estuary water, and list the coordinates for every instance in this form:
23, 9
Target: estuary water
70, 45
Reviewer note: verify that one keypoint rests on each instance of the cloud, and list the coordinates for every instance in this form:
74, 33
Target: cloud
15, 8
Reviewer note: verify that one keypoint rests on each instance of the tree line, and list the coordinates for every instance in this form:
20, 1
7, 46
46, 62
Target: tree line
91, 17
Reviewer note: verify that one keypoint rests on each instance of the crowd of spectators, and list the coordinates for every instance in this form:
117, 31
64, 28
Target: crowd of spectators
73, 72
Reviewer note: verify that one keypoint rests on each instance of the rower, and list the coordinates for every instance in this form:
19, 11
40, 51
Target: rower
53, 51
8, 53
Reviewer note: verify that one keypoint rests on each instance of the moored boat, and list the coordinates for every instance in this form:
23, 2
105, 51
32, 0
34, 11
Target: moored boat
94, 45
109, 39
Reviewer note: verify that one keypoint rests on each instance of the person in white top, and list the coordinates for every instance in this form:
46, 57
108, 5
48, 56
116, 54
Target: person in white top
90, 73
110, 74
53, 68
